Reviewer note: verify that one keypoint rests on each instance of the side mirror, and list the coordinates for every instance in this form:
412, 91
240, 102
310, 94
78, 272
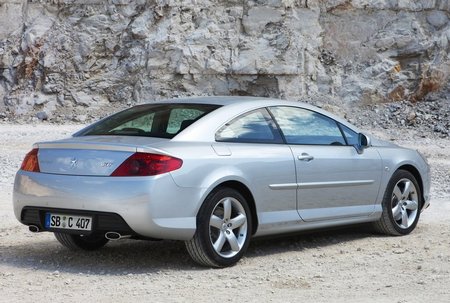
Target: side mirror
363, 143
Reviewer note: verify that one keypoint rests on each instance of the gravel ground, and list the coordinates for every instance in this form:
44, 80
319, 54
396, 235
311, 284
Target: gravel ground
347, 265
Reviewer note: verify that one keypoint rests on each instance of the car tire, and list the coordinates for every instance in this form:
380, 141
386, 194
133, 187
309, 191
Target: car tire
224, 228
78, 242
401, 205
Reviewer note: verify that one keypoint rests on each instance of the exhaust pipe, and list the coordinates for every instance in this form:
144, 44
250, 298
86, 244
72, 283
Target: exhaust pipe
112, 235
33, 228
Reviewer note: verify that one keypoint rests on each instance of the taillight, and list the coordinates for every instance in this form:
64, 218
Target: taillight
143, 164
30, 163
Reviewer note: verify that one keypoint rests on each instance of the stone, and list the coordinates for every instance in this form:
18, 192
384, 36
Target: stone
11, 17
437, 18
411, 116
39, 23
82, 98
40, 99
257, 18
6, 59
60, 99
80, 118
81, 57
385, 43
42, 116
3, 93
439, 128
50, 60
140, 26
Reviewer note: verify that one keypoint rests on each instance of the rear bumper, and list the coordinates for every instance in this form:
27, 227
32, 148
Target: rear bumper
152, 207
104, 222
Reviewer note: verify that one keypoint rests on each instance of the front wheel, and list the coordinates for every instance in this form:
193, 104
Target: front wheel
78, 242
401, 205
224, 227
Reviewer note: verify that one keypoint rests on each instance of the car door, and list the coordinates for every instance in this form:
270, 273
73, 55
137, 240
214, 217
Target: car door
258, 151
333, 180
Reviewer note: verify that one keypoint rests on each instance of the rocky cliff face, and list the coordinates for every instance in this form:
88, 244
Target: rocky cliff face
65, 58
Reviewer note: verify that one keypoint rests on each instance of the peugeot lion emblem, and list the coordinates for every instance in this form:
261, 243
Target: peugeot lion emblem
73, 162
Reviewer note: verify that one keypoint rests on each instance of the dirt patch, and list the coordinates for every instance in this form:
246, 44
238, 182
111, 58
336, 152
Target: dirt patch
346, 265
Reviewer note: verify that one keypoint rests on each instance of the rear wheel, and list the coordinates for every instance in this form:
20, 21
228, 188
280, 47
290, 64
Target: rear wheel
78, 242
401, 205
223, 229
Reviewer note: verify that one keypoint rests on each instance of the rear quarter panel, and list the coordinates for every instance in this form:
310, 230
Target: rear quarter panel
255, 165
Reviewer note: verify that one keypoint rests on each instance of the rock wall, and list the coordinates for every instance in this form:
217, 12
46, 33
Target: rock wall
66, 58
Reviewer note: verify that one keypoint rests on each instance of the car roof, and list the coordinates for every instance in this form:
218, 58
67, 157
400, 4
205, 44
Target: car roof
253, 102
224, 100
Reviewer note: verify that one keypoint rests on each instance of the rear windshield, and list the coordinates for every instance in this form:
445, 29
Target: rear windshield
150, 120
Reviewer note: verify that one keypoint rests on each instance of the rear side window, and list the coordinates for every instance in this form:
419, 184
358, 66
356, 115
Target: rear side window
150, 120
181, 118
253, 127
143, 123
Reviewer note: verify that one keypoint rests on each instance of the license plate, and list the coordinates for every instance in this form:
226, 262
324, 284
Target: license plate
68, 222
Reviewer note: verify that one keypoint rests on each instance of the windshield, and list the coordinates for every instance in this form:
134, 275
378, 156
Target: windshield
150, 120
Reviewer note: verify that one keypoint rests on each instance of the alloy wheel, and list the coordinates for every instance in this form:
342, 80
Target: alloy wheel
228, 227
404, 203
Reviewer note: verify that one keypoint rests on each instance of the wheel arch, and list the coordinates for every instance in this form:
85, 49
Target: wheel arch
415, 172
245, 191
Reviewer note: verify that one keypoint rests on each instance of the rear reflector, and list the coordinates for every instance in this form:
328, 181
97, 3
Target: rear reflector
30, 163
143, 164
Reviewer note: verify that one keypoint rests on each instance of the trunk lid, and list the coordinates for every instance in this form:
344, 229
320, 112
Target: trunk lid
90, 155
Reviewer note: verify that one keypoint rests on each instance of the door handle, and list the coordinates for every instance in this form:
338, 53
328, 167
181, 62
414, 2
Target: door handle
305, 157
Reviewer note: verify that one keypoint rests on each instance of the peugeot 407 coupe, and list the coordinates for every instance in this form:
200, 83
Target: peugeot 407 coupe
215, 172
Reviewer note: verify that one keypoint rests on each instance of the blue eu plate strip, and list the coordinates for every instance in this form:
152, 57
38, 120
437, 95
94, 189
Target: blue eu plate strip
47, 220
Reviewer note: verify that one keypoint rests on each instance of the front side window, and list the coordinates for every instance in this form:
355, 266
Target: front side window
350, 135
302, 126
253, 127
150, 120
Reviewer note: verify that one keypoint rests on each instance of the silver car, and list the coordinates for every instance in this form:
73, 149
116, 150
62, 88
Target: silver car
214, 172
